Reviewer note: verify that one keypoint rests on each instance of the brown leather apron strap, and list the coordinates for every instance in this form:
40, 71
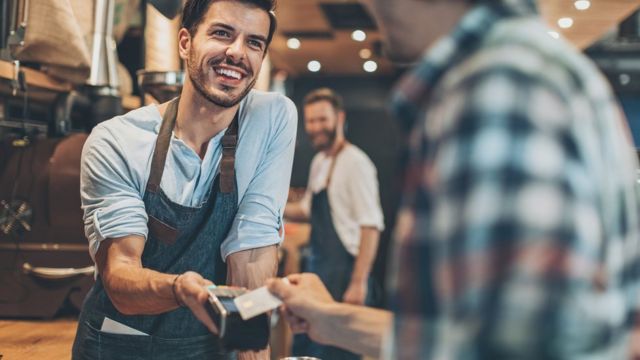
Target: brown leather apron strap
162, 146
333, 163
227, 164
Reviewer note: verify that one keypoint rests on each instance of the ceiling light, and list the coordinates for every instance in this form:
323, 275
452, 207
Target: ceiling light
365, 53
625, 79
359, 35
565, 22
314, 66
293, 43
370, 66
582, 4
553, 34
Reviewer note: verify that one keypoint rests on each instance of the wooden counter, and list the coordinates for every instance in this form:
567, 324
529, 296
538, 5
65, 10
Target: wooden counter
36, 339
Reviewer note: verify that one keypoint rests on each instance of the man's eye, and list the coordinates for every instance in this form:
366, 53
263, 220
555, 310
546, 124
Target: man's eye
220, 33
255, 43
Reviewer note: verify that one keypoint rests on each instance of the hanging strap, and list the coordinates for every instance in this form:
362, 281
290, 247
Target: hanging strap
162, 145
333, 163
227, 164
229, 144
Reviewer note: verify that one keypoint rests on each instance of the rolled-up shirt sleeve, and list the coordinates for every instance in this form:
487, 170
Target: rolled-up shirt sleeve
363, 187
111, 201
259, 219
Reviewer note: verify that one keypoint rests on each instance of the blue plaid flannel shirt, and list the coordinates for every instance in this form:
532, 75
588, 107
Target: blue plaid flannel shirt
518, 236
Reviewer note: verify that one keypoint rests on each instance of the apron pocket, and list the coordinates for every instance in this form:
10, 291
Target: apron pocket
124, 347
161, 231
117, 346
87, 343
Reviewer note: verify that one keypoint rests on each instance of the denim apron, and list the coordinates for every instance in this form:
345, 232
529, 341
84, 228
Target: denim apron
180, 239
331, 261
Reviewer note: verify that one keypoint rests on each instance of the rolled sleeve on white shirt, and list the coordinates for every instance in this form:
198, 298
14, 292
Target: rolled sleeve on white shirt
114, 222
251, 233
363, 186
111, 202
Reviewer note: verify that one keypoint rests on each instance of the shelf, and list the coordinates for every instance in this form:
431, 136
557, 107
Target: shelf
34, 78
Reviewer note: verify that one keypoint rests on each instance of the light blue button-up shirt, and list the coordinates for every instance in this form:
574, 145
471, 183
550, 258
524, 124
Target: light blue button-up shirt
116, 162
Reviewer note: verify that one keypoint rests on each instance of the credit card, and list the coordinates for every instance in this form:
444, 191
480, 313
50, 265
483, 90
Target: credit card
256, 302
114, 327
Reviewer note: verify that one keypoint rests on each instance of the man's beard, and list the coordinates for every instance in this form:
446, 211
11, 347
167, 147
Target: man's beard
331, 139
198, 79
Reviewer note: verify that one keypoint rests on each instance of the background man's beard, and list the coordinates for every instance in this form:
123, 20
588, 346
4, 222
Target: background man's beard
198, 80
331, 139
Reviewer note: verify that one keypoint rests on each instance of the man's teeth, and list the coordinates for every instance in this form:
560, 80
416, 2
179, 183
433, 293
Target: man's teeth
229, 73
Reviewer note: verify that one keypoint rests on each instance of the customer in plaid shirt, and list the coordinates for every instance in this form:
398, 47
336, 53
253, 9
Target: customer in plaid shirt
519, 235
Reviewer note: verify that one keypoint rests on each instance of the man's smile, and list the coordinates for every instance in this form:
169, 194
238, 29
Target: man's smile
229, 72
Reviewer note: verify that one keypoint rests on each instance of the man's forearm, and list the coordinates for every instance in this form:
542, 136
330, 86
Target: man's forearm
250, 269
139, 291
135, 290
369, 239
359, 329
294, 212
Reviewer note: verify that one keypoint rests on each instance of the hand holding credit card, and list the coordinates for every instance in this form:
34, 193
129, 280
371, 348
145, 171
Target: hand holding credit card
256, 302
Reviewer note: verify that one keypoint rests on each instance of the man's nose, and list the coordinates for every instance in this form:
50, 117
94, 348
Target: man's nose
312, 128
237, 50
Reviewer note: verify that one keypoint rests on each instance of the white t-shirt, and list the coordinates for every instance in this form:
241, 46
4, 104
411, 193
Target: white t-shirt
353, 193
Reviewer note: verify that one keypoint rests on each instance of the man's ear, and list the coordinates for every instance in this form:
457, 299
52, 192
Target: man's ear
184, 43
341, 117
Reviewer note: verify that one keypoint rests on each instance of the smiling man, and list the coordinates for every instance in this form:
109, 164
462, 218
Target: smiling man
187, 193
342, 203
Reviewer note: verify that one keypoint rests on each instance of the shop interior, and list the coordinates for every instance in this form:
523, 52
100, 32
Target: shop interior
68, 65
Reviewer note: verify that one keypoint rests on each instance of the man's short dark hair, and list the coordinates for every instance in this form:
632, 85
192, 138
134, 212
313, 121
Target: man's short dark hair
325, 94
194, 11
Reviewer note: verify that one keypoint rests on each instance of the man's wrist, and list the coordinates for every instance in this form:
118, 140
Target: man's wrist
175, 293
255, 355
332, 316
334, 310
359, 280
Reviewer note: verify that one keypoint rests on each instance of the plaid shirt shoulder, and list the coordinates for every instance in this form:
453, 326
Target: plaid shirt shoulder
519, 233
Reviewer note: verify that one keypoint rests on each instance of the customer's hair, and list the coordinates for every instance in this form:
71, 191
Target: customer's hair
194, 11
325, 94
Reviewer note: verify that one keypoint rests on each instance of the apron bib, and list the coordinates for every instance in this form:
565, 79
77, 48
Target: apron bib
180, 239
331, 261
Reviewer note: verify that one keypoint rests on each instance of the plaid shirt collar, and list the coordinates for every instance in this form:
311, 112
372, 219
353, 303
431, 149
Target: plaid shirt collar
414, 89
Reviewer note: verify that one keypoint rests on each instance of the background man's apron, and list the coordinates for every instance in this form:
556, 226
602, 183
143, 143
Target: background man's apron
331, 261
180, 239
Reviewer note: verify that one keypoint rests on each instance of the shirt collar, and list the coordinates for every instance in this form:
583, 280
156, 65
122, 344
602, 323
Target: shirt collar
241, 112
415, 87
